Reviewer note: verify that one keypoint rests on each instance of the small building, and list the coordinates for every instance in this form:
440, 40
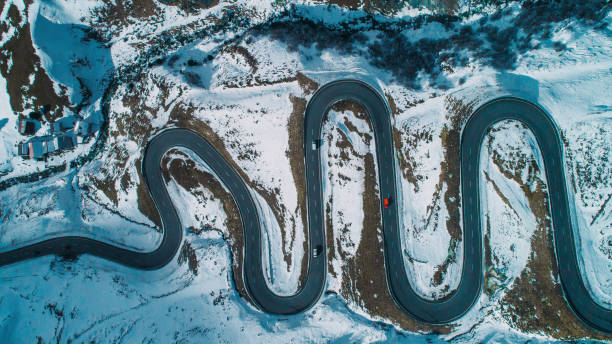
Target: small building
50, 146
36, 149
64, 124
23, 150
65, 141
28, 126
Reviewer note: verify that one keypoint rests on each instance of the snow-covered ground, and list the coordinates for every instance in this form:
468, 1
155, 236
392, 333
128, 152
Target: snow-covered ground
76, 64
343, 153
58, 207
241, 96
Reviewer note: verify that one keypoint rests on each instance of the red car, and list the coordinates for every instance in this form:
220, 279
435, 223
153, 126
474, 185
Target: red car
387, 202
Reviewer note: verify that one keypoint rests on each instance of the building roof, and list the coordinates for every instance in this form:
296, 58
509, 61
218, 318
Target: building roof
28, 126
50, 146
64, 124
22, 149
36, 149
65, 141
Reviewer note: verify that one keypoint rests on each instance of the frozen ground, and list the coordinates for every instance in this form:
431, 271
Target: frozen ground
242, 98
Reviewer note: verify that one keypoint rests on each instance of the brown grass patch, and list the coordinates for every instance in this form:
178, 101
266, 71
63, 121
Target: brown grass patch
392, 105
107, 186
145, 202
123, 13
308, 85
296, 160
18, 61
187, 174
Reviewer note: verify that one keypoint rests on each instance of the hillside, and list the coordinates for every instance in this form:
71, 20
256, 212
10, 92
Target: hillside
240, 74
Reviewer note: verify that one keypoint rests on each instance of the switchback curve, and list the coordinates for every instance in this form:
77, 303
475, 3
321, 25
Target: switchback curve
435, 312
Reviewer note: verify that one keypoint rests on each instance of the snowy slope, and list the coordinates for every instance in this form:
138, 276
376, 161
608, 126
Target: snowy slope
244, 90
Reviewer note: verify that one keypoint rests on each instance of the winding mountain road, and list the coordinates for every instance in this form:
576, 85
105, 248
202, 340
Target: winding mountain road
434, 312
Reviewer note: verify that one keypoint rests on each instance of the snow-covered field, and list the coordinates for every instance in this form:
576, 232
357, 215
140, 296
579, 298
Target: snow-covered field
243, 96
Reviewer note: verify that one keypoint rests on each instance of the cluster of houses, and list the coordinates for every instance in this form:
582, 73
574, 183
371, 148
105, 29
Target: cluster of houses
66, 133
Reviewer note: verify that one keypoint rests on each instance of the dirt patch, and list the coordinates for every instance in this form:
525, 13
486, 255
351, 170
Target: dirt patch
308, 85
329, 239
27, 82
279, 210
181, 116
357, 110
296, 160
107, 186
500, 194
601, 209
145, 202
188, 255
135, 125
249, 80
122, 13
488, 255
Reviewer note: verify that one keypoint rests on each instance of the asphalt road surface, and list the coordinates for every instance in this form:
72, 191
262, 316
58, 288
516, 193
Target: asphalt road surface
434, 312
